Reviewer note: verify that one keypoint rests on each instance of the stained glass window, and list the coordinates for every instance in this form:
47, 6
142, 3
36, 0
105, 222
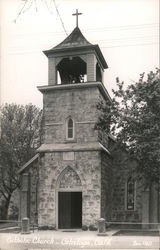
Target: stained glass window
130, 194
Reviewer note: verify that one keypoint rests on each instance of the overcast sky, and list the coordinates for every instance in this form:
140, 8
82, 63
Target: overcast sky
127, 32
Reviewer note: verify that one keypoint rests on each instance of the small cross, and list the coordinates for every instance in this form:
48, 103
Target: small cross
76, 14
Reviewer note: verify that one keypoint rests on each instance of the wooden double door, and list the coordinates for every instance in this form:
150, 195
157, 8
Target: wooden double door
69, 210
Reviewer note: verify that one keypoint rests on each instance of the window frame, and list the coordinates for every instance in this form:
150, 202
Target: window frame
67, 129
126, 195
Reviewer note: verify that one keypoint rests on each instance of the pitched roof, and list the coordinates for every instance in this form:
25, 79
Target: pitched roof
63, 147
76, 41
28, 164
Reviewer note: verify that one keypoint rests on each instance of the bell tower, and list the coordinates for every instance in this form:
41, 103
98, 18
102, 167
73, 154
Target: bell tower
72, 157
75, 60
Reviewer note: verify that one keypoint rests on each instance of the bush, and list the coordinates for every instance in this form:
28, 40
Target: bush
84, 227
92, 227
13, 213
53, 227
43, 228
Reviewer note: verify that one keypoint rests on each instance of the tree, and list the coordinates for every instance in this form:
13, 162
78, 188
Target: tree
49, 4
20, 136
134, 118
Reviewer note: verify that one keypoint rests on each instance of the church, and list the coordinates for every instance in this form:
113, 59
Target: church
77, 177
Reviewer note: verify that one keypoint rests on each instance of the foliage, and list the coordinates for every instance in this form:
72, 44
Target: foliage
134, 118
20, 136
84, 227
92, 227
13, 213
105, 116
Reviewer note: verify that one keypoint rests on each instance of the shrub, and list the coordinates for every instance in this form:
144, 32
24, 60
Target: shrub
43, 227
13, 213
53, 227
84, 227
92, 227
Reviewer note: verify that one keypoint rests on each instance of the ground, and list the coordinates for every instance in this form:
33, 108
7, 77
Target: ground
49, 240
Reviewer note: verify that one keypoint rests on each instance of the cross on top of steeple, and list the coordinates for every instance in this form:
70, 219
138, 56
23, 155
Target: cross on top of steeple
76, 14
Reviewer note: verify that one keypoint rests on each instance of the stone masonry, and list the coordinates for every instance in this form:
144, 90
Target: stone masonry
86, 165
86, 159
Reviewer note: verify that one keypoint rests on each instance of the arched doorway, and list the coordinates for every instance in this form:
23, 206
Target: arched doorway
69, 194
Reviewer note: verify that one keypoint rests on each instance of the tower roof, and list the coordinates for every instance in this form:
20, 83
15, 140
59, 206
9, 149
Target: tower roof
75, 39
76, 42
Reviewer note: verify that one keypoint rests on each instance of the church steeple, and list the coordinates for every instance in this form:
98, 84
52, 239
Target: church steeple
75, 60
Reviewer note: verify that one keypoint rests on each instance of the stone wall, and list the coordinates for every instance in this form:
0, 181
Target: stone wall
123, 168
80, 104
86, 165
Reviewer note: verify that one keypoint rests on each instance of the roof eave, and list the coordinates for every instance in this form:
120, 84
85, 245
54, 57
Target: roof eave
100, 55
28, 164
96, 48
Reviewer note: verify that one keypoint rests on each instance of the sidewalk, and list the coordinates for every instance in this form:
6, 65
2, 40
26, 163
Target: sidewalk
48, 240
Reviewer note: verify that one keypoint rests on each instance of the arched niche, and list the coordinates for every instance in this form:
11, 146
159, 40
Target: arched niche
69, 180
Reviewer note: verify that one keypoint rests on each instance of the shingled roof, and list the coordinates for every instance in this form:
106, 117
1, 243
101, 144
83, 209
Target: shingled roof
76, 41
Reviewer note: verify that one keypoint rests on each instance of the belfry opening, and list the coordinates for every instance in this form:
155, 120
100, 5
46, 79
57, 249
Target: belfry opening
72, 70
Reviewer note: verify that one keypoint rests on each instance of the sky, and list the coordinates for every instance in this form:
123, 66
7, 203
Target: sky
127, 32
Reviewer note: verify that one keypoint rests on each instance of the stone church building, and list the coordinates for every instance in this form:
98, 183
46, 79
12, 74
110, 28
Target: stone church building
77, 177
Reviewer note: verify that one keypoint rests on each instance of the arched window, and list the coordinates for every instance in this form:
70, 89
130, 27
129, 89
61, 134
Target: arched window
70, 128
130, 194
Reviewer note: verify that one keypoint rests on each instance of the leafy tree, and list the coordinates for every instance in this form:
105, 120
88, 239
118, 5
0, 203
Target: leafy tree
20, 136
134, 118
